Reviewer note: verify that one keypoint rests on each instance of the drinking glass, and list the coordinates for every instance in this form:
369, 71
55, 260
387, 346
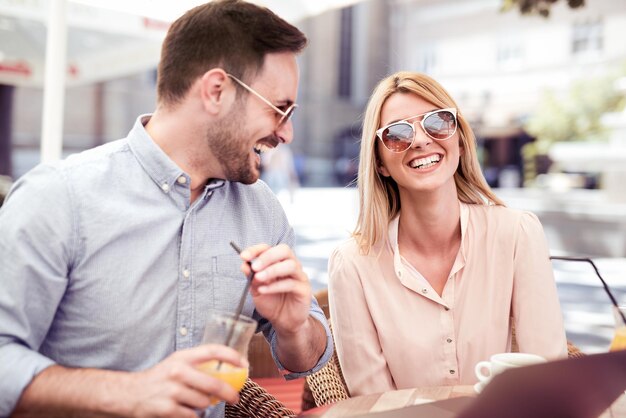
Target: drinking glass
619, 340
234, 331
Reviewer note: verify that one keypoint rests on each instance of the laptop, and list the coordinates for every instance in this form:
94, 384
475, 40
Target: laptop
572, 388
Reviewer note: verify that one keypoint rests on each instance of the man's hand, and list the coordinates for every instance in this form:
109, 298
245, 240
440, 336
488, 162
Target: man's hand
172, 388
175, 387
282, 295
280, 288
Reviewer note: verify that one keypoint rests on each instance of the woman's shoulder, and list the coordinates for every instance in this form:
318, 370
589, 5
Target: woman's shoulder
504, 219
348, 248
499, 212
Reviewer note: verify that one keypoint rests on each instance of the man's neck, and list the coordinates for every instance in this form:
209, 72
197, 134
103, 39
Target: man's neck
183, 142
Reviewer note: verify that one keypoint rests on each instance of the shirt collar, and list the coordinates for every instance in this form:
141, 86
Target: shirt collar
152, 158
393, 240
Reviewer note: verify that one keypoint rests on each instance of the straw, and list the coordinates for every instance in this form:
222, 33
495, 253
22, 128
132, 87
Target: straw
245, 290
231, 331
606, 287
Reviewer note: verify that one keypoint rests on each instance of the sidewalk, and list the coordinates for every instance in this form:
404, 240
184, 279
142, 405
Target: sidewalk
323, 217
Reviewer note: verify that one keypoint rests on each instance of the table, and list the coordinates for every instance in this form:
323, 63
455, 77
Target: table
406, 397
388, 400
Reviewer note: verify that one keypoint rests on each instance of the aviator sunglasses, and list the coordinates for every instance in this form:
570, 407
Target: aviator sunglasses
399, 136
285, 115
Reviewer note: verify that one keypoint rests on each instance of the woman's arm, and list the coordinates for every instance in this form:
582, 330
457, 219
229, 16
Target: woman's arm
356, 338
536, 309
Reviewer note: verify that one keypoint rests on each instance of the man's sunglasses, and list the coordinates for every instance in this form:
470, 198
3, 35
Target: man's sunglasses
399, 136
285, 115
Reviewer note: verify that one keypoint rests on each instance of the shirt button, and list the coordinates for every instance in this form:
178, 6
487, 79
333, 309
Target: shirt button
186, 273
182, 180
452, 372
165, 187
449, 340
424, 291
446, 308
399, 273
183, 331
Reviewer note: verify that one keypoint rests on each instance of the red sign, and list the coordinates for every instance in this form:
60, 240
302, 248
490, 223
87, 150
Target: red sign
17, 68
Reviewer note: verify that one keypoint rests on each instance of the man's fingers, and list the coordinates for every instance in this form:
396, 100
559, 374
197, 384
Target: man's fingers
289, 268
206, 352
253, 252
282, 286
208, 384
192, 398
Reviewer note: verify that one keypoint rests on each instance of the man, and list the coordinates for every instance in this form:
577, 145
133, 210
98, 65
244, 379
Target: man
112, 259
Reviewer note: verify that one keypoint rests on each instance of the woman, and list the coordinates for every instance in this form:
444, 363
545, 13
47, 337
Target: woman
438, 270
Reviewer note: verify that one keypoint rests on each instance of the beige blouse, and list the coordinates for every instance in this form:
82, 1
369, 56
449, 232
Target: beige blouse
393, 331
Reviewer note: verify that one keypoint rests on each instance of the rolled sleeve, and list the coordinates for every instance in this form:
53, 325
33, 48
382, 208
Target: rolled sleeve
18, 366
270, 334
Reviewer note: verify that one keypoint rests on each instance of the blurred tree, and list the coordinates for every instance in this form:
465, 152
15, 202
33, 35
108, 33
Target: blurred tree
537, 7
574, 117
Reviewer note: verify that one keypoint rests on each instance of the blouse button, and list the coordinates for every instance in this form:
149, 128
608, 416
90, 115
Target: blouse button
449, 340
452, 372
424, 290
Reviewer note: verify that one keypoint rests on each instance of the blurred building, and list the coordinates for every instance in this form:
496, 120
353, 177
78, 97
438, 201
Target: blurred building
495, 65
498, 64
348, 53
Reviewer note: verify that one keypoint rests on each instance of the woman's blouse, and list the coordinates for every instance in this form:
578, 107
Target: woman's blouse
392, 330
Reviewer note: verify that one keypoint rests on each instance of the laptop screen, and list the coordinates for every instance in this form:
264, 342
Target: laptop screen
572, 388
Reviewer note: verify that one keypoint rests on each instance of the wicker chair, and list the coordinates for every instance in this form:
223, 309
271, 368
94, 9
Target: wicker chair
255, 402
325, 386
328, 386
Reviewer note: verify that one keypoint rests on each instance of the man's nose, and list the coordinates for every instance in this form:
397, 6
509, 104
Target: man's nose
285, 132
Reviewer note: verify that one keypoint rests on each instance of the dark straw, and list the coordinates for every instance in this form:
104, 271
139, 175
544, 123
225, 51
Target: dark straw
248, 282
606, 287
242, 300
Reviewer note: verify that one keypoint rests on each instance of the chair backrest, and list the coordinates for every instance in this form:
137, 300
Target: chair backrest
256, 402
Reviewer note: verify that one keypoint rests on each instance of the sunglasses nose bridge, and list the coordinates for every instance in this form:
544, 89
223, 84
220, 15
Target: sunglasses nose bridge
421, 138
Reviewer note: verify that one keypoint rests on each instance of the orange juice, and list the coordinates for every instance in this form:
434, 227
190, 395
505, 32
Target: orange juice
619, 341
234, 376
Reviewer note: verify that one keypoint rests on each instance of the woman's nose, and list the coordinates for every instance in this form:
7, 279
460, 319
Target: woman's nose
420, 138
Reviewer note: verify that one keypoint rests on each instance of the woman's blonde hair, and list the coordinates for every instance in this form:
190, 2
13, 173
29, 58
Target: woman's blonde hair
379, 199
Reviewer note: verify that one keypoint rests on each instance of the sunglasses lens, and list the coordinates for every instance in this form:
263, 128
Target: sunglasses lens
440, 125
398, 137
288, 114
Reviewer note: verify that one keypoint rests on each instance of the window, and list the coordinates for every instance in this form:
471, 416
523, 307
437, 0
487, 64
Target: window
345, 53
587, 37
426, 59
509, 54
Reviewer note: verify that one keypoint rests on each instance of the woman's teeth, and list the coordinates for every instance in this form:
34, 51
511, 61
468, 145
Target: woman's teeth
425, 162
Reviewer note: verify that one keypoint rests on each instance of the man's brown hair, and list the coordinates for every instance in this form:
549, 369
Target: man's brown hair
232, 34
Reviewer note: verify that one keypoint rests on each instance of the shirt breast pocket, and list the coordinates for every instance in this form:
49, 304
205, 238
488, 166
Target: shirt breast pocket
225, 284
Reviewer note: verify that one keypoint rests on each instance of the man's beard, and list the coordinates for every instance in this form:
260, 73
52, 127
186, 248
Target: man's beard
228, 143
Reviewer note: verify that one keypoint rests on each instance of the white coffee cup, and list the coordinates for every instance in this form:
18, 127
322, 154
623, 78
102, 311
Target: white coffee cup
485, 370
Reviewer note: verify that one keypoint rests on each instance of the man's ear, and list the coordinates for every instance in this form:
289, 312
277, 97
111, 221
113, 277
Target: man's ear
213, 91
